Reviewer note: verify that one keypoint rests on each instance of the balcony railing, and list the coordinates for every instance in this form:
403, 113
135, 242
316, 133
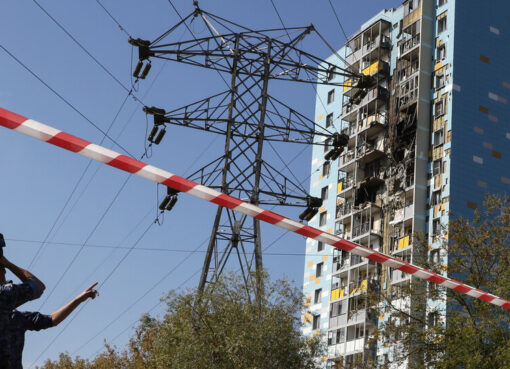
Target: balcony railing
346, 157
343, 209
408, 44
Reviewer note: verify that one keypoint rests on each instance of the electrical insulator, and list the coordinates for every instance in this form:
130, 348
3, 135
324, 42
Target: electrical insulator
146, 70
153, 133
164, 203
171, 204
160, 136
138, 68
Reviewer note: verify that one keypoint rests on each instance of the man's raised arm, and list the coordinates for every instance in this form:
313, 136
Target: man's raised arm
58, 316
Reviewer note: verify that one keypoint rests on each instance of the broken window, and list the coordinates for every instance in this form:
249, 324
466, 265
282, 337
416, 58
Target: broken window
323, 218
320, 246
441, 2
436, 167
440, 80
331, 73
316, 322
331, 96
324, 193
325, 168
327, 144
438, 137
439, 108
436, 198
441, 24
317, 296
434, 257
318, 270
441, 52
329, 120
436, 227
433, 318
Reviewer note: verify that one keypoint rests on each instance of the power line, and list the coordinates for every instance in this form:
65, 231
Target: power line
64, 100
85, 50
113, 18
170, 272
83, 305
76, 186
151, 249
338, 19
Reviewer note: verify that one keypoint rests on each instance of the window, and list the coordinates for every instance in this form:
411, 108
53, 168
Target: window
441, 52
325, 168
441, 2
324, 193
438, 137
320, 246
440, 79
316, 322
331, 96
323, 218
329, 120
318, 270
434, 257
441, 24
331, 73
436, 227
436, 167
433, 318
327, 144
317, 296
439, 108
436, 198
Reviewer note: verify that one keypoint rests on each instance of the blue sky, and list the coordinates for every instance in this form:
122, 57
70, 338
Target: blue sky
37, 178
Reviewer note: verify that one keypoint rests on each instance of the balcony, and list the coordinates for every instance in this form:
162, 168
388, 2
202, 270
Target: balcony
373, 124
409, 44
400, 243
377, 67
382, 41
346, 159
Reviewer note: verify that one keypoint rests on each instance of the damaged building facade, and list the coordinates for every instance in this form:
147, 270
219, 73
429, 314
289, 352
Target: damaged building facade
425, 140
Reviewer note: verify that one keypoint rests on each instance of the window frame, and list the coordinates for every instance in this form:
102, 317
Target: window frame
317, 296
319, 269
442, 22
331, 96
329, 120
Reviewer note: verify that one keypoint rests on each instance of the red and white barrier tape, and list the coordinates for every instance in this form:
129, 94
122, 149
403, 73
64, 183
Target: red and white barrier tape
72, 143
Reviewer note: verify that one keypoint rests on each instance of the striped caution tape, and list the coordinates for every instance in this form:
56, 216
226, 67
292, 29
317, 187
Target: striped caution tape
85, 148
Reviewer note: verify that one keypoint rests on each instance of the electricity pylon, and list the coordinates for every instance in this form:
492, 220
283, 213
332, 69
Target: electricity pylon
248, 116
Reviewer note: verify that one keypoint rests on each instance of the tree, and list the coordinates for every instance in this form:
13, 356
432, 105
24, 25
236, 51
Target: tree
223, 328
460, 331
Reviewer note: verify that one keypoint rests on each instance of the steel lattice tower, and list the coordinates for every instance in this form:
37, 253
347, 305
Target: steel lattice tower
248, 116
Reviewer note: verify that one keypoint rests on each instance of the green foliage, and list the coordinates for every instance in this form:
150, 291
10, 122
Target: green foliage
470, 333
224, 328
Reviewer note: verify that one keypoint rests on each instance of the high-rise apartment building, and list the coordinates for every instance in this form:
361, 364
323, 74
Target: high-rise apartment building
425, 142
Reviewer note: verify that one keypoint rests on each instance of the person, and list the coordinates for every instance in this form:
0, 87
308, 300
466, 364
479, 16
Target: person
14, 324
